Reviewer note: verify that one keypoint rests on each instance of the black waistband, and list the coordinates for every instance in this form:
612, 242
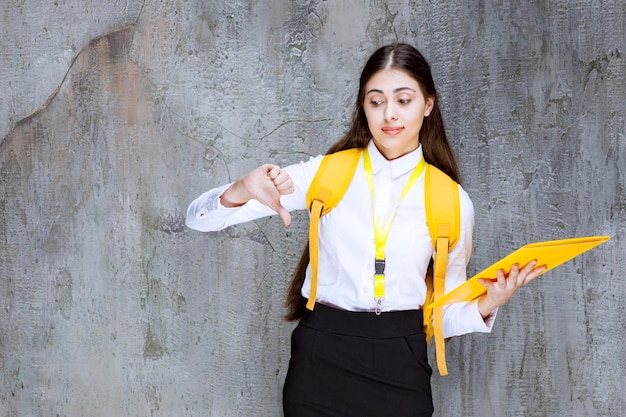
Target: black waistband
364, 324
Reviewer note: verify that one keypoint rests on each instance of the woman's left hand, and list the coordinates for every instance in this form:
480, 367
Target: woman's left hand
499, 291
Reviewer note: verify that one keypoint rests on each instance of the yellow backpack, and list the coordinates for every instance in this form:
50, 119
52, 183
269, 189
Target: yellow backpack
443, 215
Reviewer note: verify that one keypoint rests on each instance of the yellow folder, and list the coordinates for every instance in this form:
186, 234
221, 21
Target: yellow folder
551, 254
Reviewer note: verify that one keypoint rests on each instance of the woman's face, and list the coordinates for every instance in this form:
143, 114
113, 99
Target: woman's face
395, 108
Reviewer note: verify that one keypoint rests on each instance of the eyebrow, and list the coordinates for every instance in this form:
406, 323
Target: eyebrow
375, 90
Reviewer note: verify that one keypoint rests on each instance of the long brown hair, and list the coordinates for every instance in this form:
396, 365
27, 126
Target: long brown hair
432, 137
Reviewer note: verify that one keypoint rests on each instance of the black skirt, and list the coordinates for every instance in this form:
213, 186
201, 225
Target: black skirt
353, 364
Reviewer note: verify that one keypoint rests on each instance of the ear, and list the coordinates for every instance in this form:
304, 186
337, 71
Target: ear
430, 104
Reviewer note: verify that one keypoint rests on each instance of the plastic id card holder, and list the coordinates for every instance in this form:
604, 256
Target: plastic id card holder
551, 254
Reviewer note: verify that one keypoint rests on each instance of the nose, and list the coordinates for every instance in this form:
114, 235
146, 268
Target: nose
390, 112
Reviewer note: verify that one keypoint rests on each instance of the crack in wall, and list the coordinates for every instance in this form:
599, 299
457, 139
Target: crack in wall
52, 96
55, 92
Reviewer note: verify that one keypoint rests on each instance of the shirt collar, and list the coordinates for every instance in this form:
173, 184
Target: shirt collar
398, 166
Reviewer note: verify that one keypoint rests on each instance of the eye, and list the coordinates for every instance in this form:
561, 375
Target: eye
376, 103
404, 100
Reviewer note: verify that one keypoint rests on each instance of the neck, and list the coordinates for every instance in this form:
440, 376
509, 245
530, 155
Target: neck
391, 154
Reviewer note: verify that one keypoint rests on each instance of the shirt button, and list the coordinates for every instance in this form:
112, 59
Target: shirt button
365, 290
370, 266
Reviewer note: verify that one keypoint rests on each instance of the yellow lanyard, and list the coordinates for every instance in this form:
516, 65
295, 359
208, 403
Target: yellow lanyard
381, 233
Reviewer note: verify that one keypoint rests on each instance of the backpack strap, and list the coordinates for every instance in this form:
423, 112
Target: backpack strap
327, 188
443, 217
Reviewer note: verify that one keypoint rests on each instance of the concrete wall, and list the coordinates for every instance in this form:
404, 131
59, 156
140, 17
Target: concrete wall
114, 115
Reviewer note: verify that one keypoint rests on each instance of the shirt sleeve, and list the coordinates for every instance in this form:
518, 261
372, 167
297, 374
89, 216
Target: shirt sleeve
206, 213
463, 318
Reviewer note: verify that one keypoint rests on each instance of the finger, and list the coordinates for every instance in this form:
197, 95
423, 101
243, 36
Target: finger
285, 216
516, 277
281, 179
529, 266
525, 271
500, 278
273, 171
286, 188
535, 273
488, 283
283, 183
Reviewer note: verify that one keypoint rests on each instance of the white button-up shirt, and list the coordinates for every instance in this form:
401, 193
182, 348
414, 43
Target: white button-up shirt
346, 236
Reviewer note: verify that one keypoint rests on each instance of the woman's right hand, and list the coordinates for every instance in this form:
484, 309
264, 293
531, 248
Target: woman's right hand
265, 184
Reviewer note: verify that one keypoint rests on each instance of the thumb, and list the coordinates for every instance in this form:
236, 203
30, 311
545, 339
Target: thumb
485, 282
285, 216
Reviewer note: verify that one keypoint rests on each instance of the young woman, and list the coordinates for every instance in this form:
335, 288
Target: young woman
347, 360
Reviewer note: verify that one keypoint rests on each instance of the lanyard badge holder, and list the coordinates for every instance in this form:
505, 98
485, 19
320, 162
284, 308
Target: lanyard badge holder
379, 284
381, 233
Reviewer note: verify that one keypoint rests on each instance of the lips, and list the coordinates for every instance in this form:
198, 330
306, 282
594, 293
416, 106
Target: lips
392, 130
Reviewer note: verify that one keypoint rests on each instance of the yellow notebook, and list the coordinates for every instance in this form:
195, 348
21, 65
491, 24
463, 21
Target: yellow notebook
551, 254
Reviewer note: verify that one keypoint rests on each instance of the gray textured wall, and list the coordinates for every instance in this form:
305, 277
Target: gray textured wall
114, 115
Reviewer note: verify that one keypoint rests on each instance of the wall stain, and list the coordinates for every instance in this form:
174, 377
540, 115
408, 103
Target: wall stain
63, 300
160, 296
169, 224
153, 347
600, 65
